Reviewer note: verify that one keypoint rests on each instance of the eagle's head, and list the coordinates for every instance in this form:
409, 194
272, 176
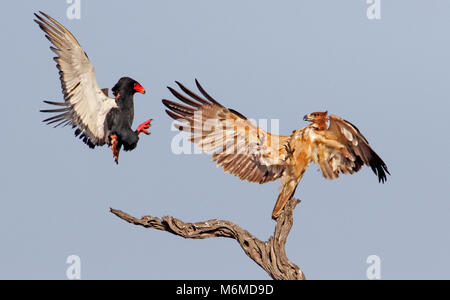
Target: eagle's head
127, 86
318, 119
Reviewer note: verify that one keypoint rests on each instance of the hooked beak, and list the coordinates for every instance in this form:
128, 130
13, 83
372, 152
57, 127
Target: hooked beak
307, 118
139, 88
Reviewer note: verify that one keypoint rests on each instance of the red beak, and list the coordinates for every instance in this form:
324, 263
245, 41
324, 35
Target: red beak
138, 88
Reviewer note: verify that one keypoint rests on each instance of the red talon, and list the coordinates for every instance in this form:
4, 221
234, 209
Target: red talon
143, 127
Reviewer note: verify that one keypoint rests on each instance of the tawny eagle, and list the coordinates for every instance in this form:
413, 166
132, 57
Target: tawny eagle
253, 154
97, 118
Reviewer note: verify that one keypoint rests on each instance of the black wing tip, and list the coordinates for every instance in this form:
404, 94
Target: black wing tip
206, 94
41, 16
181, 86
191, 98
174, 115
171, 89
385, 170
167, 103
179, 83
381, 170
172, 110
199, 86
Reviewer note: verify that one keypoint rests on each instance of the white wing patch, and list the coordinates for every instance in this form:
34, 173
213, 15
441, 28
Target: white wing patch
87, 106
349, 136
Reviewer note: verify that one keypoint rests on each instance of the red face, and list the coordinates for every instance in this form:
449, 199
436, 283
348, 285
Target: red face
138, 88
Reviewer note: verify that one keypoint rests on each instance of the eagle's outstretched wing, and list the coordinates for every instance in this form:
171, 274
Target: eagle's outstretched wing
241, 148
349, 154
86, 105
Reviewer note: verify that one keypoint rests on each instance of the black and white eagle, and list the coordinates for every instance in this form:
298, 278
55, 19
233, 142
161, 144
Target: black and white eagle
97, 118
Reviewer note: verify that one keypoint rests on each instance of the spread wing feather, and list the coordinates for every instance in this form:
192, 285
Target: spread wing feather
240, 147
346, 150
86, 105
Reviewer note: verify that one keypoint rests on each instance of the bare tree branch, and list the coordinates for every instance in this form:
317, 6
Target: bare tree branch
270, 255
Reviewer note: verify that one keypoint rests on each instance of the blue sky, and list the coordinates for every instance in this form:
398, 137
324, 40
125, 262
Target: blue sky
266, 59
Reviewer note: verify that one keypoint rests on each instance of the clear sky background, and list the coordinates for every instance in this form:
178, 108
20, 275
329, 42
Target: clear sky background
266, 59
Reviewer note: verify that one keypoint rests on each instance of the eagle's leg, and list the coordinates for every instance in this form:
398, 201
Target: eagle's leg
114, 147
143, 127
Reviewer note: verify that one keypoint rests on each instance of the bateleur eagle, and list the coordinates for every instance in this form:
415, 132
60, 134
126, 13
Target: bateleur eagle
97, 118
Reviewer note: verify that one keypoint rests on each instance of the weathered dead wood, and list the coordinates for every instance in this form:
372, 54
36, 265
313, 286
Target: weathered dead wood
270, 255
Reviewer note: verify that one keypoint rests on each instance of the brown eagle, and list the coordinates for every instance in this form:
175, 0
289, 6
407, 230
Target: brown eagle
245, 150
